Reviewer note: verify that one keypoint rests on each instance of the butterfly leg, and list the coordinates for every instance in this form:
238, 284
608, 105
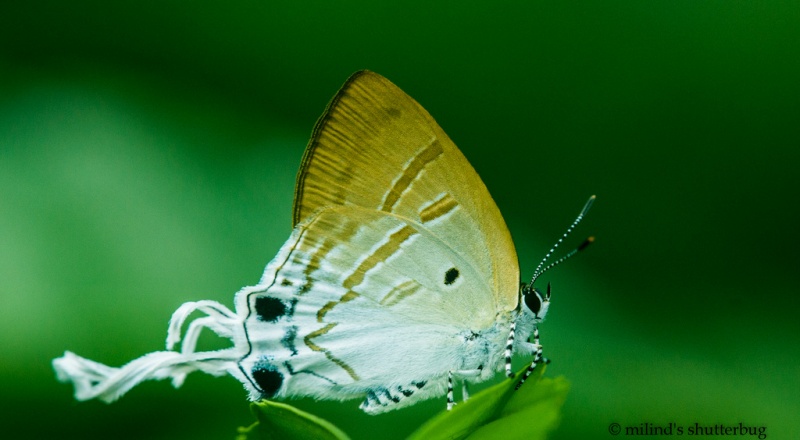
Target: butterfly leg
523, 347
450, 401
536, 359
464, 374
509, 346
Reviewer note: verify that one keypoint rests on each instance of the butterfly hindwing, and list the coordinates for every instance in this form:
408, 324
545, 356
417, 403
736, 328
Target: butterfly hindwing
360, 300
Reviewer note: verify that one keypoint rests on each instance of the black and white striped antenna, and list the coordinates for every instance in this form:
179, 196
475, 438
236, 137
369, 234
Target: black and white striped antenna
539, 270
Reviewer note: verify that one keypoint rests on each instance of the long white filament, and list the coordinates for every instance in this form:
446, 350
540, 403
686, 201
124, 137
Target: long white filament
94, 380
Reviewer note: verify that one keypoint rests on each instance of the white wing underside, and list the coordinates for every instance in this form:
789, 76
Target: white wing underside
368, 303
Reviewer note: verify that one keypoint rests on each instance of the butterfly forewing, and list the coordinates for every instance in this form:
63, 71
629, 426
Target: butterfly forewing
377, 148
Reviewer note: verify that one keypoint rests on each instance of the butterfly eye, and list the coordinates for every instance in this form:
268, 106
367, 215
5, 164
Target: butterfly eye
450, 276
534, 300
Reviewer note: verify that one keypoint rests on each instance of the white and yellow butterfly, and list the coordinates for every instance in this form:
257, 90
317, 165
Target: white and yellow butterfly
399, 275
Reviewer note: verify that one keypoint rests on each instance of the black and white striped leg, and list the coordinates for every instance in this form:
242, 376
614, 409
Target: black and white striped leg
509, 346
536, 360
465, 376
450, 401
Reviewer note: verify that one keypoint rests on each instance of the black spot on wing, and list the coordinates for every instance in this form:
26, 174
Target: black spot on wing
450, 276
269, 309
268, 378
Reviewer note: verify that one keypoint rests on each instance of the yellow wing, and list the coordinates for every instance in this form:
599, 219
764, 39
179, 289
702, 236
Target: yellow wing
375, 147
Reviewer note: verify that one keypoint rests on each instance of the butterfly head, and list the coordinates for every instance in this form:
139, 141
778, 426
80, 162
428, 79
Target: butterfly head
536, 301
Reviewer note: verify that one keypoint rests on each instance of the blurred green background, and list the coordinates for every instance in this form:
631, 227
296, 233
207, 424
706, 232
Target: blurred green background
148, 153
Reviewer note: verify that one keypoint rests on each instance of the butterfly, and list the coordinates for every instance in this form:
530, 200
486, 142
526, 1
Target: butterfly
399, 276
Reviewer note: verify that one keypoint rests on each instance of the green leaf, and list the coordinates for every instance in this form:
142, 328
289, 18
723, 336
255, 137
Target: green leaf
531, 413
499, 411
281, 421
